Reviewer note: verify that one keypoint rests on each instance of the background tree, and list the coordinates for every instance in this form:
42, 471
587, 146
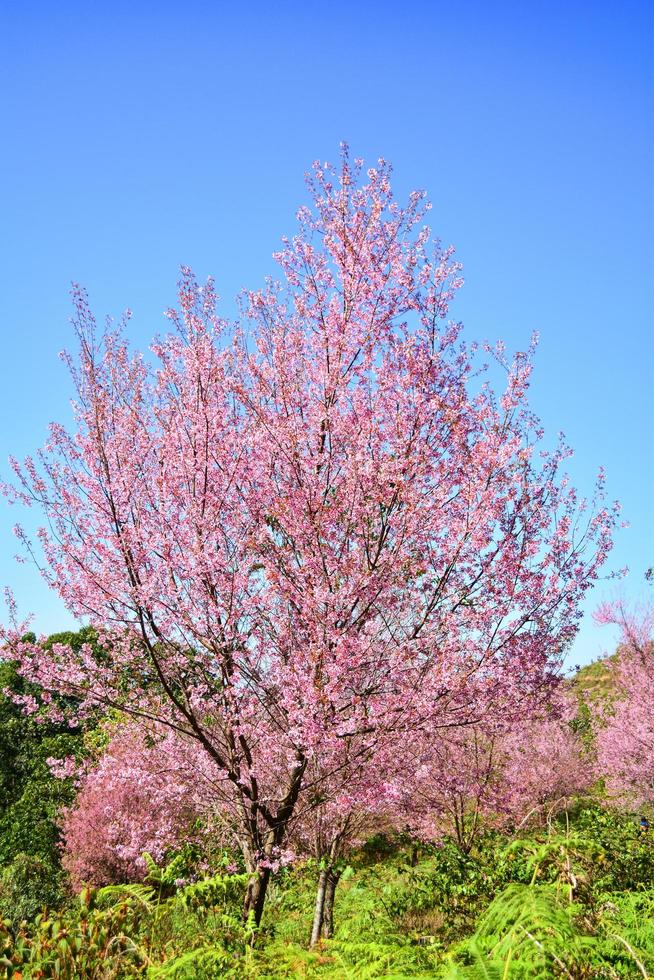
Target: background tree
30, 796
150, 791
460, 782
452, 785
547, 762
337, 814
625, 729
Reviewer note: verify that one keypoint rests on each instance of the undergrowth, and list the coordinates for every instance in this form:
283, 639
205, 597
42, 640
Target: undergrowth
575, 900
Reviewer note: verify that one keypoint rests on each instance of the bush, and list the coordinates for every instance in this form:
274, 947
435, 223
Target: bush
28, 885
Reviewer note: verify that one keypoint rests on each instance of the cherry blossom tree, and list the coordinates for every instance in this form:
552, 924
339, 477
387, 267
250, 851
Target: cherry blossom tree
625, 729
319, 525
452, 785
147, 793
459, 782
546, 764
329, 833
338, 813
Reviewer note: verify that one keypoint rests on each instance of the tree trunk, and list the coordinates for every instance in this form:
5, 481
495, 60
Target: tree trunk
318, 914
255, 895
328, 910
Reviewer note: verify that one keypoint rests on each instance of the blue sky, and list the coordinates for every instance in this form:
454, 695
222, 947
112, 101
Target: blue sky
139, 137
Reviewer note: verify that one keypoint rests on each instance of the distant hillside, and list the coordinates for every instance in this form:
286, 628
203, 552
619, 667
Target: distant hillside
595, 681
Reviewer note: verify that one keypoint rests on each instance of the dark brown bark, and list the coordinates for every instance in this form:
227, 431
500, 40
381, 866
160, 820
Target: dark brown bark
328, 909
255, 895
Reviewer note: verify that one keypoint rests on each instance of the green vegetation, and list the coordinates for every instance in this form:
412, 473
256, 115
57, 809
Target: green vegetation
31, 798
575, 900
594, 681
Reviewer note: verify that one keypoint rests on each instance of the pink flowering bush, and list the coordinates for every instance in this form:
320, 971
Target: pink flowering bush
546, 764
463, 780
148, 792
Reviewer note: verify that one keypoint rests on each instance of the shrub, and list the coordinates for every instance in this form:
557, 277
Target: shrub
28, 885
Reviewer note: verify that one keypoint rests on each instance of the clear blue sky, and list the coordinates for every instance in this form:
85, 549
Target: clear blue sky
139, 136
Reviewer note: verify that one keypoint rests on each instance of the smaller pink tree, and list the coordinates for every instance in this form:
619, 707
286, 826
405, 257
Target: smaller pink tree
452, 784
462, 780
625, 731
147, 793
340, 807
545, 764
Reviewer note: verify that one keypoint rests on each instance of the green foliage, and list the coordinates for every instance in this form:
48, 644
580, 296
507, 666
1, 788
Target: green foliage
594, 682
89, 941
205, 963
624, 858
221, 891
31, 798
626, 933
478, 968
199, 927
371, 940
75, 639
529, 932
27, 885
574, 901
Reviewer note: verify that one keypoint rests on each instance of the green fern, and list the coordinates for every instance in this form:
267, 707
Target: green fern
529, 932
205, 963
478, 968
104, 898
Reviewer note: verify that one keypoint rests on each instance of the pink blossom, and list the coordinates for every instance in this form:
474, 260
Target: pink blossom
146, 793
625, 729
